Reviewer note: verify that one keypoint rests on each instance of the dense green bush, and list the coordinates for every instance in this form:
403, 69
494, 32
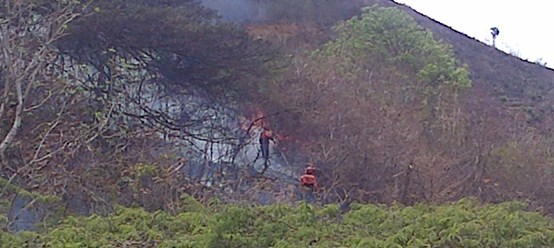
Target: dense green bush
461, 224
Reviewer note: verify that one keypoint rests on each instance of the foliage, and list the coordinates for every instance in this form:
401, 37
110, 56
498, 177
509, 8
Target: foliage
27, 34
461, 224
88, 89
380, 95
523, 167
390, 40
82, 85
178, 44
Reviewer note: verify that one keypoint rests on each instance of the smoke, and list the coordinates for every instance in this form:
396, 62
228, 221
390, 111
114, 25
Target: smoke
239, 11
325, 12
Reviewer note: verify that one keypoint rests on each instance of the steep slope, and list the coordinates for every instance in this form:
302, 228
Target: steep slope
511, 80
505, 143
514, 95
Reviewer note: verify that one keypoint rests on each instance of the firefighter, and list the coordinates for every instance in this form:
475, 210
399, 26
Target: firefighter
265, 136
308, 183
309, 179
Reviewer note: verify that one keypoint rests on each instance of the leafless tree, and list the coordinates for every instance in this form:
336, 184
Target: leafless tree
27, 53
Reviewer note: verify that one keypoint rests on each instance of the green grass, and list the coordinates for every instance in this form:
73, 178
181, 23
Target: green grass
461, 224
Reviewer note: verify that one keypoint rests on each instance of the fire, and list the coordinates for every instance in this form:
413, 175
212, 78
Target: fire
257, 121
282, 32
283, 137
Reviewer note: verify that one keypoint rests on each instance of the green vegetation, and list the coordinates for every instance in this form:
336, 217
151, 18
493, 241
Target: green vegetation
461, 224
381, 78
139, 104
388, 37
387, 41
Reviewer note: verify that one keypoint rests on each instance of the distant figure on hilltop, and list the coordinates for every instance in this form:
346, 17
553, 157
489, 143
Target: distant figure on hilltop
494, 32
265, 136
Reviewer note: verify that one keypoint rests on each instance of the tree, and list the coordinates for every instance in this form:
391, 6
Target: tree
28, 32
194, 60
381, 95
171, 67
102, 84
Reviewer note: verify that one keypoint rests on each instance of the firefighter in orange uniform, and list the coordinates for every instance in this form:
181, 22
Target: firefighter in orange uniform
308, 183
265, 136
308, 179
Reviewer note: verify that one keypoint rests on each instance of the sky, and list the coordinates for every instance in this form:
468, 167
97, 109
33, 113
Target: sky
524, 25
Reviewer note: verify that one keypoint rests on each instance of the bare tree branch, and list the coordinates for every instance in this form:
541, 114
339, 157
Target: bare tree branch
21, 74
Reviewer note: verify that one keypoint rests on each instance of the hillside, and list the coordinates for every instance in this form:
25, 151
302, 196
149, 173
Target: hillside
506, 113
505, 77
141, 103
519, 92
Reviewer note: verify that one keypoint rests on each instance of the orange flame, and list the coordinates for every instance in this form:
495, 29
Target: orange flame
257, 120
253, 121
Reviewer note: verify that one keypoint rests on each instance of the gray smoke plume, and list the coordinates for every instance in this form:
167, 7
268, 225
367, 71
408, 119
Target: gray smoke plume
239, 11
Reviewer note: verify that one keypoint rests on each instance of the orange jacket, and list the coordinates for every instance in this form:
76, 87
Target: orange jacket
308, 180
265, 136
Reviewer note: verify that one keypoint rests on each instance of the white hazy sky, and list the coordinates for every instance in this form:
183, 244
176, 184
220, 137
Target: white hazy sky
525, 26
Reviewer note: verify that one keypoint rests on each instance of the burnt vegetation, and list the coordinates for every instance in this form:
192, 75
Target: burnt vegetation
109, 102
